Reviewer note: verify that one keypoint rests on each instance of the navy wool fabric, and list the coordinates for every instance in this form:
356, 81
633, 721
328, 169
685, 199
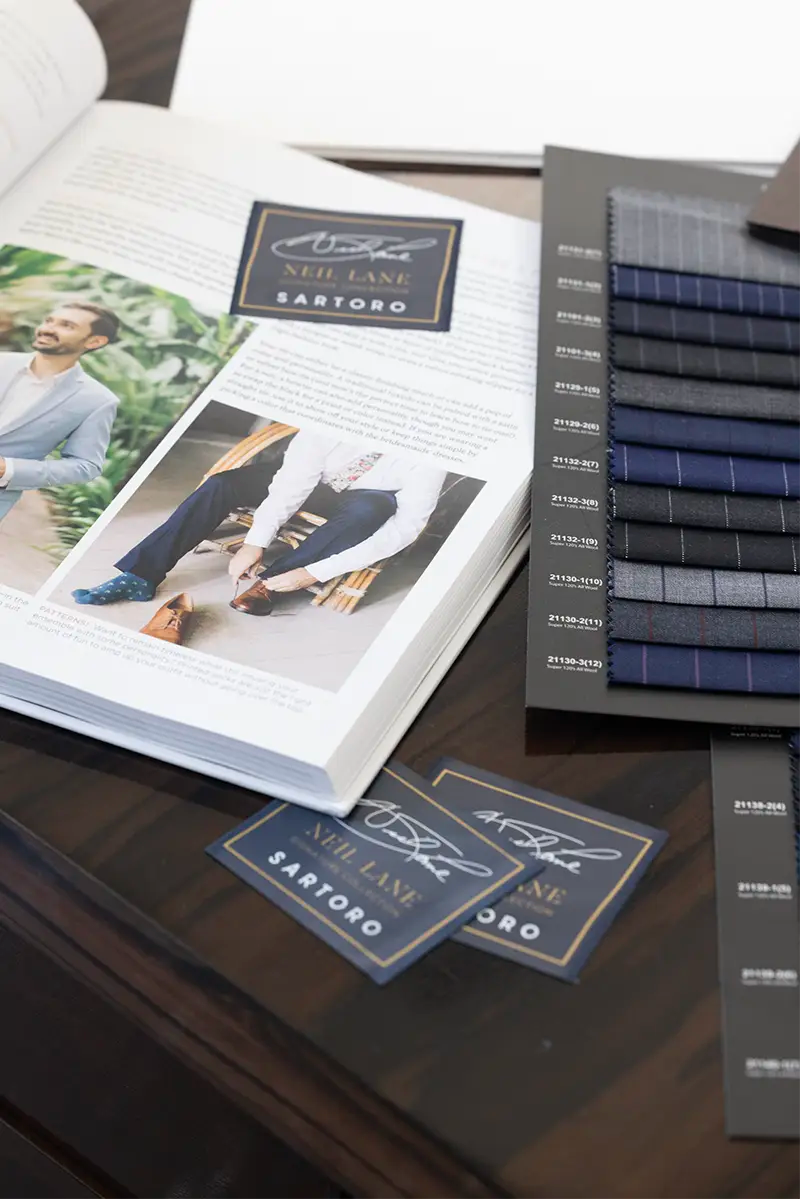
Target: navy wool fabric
705, 472
705, 291
694, 234
705, 586
705, 396
679, 546
708, 328
705, 509
714, 434
723, 628
639, 664
705, 362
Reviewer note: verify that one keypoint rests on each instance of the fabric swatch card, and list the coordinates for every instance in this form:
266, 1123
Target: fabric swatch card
383, 886
590, 863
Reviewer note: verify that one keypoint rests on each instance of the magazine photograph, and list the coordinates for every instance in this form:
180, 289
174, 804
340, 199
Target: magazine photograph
94, 368
247, 518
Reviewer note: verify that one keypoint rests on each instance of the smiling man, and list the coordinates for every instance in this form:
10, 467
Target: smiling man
47, 400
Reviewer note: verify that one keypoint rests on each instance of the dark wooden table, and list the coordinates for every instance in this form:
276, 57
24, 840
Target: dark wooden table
165, 1031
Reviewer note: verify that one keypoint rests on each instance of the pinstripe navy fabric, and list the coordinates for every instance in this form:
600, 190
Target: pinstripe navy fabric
714, 434
705, 509
705, 472
723, 628
638, 542
705, 396
638, 664
704, 291
694, 234
708, 328
708, 588
691, 361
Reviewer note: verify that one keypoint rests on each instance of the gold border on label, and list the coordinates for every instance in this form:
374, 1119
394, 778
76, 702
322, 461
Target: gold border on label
242, 302
537, 953
519, 867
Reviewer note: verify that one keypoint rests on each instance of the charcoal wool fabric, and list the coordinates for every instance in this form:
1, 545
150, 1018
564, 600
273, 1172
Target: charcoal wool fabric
676, 545
724, 628
705, 509
704, 362
704, 396
705, 472
694, 234
705, 291
638, 664
704, 587
708, 328
713, 434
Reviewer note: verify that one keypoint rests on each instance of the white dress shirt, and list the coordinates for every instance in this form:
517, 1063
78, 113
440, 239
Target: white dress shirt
313, 458
24, 392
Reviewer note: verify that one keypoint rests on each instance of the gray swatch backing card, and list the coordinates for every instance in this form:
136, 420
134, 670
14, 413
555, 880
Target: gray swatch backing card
589, 862
306, 264
383, 886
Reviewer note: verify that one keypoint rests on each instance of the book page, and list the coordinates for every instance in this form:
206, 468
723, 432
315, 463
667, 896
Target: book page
52, 67
148, 212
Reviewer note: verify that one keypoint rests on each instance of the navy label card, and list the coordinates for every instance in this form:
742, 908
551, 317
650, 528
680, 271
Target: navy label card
589, 862
307, 264
383, 886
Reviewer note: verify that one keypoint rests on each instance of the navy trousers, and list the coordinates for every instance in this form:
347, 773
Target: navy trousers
356, 515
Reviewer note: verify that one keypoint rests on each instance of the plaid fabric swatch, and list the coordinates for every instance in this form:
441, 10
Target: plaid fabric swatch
705, 291
706, 587
714, 434
706, 472
708, 328
724, 628
694, 234
705, 509
706, 397
681, 546
704, 362
632, 663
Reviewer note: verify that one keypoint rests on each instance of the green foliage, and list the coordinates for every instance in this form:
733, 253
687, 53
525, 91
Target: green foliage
166, 354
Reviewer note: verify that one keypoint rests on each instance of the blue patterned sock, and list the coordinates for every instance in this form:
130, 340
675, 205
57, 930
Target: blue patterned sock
125, 587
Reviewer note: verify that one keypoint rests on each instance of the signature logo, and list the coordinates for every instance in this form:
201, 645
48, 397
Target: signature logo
324, 246
546, 844
391, 829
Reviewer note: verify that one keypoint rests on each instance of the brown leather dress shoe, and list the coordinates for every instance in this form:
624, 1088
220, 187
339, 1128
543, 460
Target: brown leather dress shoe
171, 619
255, 601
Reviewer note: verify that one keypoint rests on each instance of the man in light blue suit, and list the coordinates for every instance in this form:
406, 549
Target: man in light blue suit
47, 400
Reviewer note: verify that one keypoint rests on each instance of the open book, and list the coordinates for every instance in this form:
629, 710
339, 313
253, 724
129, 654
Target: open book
247, 546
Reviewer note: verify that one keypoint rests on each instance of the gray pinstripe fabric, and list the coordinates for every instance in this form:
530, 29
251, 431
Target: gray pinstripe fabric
707, 397
705, 509
724, 628
707, 328
691, 361
711, 588
694, 234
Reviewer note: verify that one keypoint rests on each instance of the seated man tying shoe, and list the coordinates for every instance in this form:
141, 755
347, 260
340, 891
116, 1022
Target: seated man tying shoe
382, 504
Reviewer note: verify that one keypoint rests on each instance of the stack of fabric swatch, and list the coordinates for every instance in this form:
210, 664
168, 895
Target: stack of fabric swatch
704, 475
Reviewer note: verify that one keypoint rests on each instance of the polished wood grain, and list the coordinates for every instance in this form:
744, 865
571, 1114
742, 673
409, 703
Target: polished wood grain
466, 1075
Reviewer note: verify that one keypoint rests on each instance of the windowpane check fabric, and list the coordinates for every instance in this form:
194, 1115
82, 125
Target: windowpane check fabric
709, 328
714, 434
705, 509
704, 291
686, 360
723, 628
681, 546
698, 669
694, 234
704, 587
705, 472
704, 396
